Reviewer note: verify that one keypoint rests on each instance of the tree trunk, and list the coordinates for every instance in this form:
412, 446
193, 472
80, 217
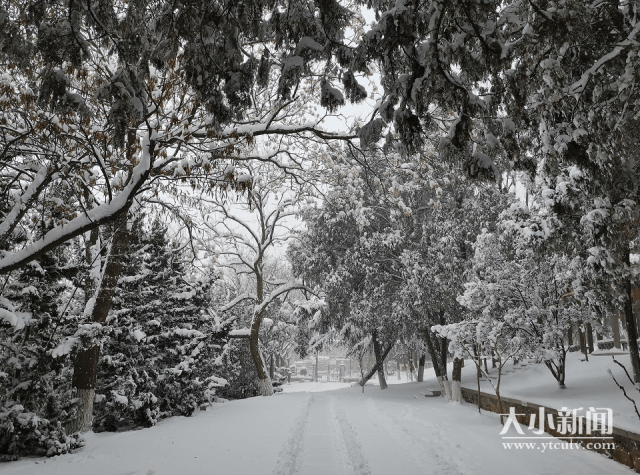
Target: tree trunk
398, 366
456, 384
377, 351
589, 335
410, 368
477, 363
367, 376
315, 376
583, 343
632, 331
265, 387
423, 357
271, 367
445, 390
86, 363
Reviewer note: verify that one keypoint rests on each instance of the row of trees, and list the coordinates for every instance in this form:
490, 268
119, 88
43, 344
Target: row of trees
409, 250
111, 109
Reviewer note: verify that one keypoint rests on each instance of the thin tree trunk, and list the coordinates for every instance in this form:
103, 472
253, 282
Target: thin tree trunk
632, 331
456, 383
362, 380
271, 366
377, 351
583, 343
411, 369
475, 350
423, 357
500, 407
589, 335
315, 376
443, 349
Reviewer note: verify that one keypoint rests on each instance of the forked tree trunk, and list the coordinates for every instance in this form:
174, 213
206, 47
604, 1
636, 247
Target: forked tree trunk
377, 351
369, 374
558, 369
86, 362
445, 390
456, 384
423, 357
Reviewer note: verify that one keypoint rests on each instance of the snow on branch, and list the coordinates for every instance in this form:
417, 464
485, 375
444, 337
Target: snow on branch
237, 300
22, 203
283, 289
241, 333
97, 216
578, 86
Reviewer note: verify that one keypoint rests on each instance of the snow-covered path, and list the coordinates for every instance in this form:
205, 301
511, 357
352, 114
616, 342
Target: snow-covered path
343, 432
316, 445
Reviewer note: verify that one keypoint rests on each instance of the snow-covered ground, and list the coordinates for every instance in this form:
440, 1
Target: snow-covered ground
588, 384
393, 432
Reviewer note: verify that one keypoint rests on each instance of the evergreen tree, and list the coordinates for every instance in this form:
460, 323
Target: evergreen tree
36, 398
161, 358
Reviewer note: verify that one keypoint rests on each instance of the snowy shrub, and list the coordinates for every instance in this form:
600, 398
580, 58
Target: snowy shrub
239, 370
36, 398
134, 404
23, 432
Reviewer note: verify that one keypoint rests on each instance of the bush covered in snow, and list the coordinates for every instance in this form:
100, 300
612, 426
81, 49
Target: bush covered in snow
36, 399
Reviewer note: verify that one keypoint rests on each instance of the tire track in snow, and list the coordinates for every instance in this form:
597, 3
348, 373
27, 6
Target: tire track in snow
343, 437
356, 462
289, 457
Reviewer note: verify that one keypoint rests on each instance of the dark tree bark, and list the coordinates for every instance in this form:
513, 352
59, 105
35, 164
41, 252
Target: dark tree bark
377, 351
434, 355
589, 335
632, 332
423, 358
437, 366
380, 356
443, 349
86, 362
271, 367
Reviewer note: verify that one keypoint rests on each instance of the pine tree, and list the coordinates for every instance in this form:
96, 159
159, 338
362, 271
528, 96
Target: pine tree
161, 358
36, 397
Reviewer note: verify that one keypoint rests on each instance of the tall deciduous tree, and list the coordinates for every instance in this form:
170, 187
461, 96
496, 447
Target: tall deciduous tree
247, 228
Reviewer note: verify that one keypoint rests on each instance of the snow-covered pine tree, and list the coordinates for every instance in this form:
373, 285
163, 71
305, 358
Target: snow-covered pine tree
37, 310
161, 358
